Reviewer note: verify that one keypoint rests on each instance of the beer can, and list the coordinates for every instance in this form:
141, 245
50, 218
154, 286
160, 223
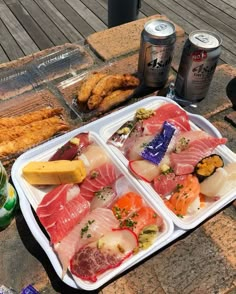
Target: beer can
197, 65
156, 51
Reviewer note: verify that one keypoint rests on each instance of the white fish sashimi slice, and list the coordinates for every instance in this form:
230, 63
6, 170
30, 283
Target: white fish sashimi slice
213, 185
230, 183
194, 206
97, 223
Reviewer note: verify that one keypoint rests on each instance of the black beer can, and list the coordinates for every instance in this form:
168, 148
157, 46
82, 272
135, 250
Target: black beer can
156, 51
197, 65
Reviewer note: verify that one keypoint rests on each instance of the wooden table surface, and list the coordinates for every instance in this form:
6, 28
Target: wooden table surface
201, 261
27, 26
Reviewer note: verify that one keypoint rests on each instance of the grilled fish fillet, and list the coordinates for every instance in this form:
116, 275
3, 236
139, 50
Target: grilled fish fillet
111, 83
34, 137
7, 122
113, 99
88, 85
94, 101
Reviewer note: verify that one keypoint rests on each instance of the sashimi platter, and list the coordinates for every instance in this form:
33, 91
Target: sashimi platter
105, 196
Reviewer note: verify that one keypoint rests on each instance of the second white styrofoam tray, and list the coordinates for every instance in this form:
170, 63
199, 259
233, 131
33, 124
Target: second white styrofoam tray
197, 122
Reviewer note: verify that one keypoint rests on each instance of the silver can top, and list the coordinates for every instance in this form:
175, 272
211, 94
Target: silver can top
159, 28
205, 39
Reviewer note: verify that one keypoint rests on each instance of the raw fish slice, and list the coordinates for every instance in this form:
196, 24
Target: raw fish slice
145, 217
95, 224
185, 161
185, 195
61, 209
98, 178
137, 147
74, 211
166, 111
106, 253
146, 170
126, 205
93, 157
165, 184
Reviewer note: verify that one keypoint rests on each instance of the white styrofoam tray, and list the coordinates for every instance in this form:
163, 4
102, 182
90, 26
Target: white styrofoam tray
197, 122
30, 196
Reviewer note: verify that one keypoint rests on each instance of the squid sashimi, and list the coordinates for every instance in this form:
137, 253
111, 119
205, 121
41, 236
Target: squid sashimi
185, 161
186, 199
133, 213
94, 225
165, 184
97, 179
93, 157
61, 209
106, 253
166, 112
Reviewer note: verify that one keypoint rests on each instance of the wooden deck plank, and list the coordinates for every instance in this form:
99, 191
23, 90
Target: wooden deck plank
97, 9
226, 8
230, 2
33, 29
17, 31
86, 13
9, 44
75, 19
212, 16
47, 25
61, 22
3, 57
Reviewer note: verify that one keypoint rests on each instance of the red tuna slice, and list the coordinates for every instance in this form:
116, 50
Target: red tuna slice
164, 184
185, 161
61, 209
108, 252
165, 112
92, 227
97, 179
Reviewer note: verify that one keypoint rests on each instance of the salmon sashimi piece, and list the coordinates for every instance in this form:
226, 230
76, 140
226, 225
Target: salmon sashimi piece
127, 205
34, 137
97, 179
61, 209
185, 195
93, 226
143, 218
185, 161
27, 118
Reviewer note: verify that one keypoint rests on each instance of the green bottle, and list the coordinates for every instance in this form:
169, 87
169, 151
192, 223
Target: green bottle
8, 199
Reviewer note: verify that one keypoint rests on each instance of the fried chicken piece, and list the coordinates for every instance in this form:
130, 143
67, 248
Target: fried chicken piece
111, 83
88, 85
113, 99
27, 118
32, 138
8, 134
94, 101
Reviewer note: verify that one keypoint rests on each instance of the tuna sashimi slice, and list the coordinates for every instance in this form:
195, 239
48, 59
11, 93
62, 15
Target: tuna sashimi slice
164, 184
95, 224
167, 112
185, 161
61, 209
97, 179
